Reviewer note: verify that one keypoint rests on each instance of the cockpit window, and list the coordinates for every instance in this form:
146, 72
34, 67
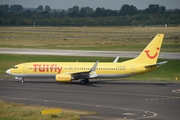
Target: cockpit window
15, 67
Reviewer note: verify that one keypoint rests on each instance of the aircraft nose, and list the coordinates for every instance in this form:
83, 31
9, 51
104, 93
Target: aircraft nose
8, 71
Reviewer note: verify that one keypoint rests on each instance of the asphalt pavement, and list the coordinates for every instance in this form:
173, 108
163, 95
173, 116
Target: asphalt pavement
112, 100
122, 54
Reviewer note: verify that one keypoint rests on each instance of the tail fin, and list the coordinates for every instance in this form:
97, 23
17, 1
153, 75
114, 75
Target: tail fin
150, 54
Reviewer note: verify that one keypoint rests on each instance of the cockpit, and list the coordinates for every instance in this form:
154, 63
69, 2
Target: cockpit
15, 67
12, 70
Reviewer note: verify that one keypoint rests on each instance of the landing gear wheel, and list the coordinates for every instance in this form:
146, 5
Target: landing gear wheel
84, 81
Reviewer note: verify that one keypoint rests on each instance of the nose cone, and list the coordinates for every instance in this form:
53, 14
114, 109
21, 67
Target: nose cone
8, 71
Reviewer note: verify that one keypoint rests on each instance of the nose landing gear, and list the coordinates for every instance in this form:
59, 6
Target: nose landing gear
20, 78
22, 81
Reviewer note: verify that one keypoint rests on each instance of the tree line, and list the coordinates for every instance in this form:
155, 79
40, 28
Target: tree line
128, 15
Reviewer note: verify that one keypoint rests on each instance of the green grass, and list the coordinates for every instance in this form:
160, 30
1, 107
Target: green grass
88, 38
166, 72
14, 111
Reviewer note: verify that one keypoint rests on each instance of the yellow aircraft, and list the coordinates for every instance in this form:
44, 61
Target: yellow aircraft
68, 71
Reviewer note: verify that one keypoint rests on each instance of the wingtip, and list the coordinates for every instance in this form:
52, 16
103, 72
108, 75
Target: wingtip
160, 35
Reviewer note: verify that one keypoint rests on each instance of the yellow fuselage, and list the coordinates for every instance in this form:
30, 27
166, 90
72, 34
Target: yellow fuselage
103, 70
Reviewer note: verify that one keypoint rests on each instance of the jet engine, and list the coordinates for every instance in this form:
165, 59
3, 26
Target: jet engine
63, 78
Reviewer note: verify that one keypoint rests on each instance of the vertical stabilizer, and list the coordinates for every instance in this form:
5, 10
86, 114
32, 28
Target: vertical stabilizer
150, 54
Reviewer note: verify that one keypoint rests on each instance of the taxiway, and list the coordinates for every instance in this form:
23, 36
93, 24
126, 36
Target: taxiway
113, 100
122, 54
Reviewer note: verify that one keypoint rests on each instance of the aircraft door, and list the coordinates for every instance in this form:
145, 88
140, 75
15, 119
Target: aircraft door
25, 68
132, 69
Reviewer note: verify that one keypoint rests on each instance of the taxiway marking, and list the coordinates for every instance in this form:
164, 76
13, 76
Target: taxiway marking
176, 91
91, 105
77, 91
168, 98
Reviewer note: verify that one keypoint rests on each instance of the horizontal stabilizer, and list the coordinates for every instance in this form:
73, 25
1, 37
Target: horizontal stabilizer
157, 64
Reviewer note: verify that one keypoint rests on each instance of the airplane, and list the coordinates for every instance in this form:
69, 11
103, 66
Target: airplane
83, 71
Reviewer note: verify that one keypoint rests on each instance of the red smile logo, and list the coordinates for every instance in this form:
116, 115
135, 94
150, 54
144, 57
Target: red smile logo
151, 56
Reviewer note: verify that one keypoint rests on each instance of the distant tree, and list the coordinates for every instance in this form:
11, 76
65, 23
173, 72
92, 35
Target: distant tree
162, 9
62, 14
83, 12
45, 14
16, 8
47, 8
132, 10
109, 12
99, 12
70, 10
76, 8
27, 13
176, 10
72, 14
153, 8
12, 21
4, 8
128, 10
40, 8
127, 15
87, 9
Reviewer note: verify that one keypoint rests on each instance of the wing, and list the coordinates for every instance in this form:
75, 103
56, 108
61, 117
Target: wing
86, 74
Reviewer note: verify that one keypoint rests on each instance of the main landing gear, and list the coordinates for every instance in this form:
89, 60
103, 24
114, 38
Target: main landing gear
84, 81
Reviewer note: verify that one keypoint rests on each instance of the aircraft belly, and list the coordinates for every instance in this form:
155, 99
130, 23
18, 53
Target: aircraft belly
53, 75
114, 75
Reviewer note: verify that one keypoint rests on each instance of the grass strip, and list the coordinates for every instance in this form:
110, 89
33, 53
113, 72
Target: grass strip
88, 38
17, 111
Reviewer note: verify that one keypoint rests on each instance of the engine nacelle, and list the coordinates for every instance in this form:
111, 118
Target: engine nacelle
63, 78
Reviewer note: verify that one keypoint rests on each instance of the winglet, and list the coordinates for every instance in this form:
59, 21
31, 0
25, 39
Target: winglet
94, 66
115, 60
